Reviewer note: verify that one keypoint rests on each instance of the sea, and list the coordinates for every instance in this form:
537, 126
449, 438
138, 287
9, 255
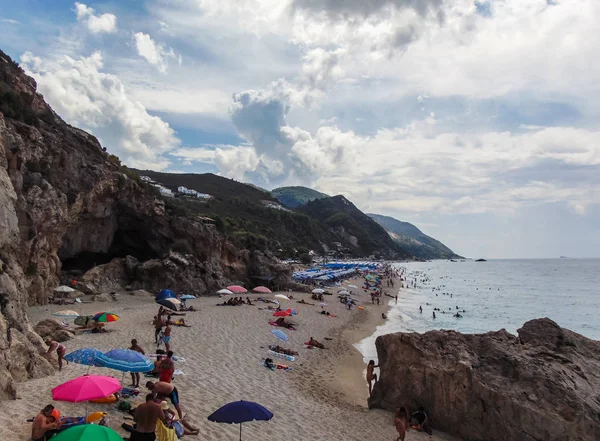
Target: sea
493, 295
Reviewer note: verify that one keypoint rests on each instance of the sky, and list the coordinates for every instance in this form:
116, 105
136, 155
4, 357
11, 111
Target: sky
475, 120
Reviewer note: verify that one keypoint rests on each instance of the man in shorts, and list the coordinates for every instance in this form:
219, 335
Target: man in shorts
146, 417
166, 390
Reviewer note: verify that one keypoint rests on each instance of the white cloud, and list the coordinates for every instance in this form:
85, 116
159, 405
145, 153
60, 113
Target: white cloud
153, 53
96, 24
9, 21
86, 97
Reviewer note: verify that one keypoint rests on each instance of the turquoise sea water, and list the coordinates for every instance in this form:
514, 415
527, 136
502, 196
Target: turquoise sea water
496, 294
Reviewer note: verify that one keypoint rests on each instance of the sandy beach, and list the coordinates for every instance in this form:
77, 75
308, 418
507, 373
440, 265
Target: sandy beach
323, 397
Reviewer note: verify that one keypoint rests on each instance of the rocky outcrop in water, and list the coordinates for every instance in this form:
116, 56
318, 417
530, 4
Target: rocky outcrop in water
67, 204
542, 385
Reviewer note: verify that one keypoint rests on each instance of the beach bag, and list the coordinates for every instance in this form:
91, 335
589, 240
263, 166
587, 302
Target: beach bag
83, 320
124, 406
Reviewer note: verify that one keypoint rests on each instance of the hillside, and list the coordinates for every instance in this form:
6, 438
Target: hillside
414, 240
247, 215
293, 197
358, 233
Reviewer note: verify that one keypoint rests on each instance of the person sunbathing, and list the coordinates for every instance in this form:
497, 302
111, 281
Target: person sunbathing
248, 301
281, 350
316, 344
98, 328
281, 322
180, 322
305, 302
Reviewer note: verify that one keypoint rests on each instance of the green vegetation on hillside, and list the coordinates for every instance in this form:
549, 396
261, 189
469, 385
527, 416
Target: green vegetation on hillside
240, 213
346, 220
414, 240
293, 197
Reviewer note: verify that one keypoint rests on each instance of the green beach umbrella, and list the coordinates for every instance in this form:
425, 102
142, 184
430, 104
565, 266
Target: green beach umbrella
89, 432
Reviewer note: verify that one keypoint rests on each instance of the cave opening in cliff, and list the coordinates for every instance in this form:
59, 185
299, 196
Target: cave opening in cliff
124, 243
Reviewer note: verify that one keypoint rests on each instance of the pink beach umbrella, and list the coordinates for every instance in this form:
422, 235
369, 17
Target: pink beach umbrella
85, 388
262, 290
237, 289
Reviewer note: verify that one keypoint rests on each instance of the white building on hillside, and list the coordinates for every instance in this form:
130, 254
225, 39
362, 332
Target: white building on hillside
189, 192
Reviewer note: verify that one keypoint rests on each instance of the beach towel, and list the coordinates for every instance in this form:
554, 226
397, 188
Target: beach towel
291, 328
280, 355
163, 433
277, 366
68, 422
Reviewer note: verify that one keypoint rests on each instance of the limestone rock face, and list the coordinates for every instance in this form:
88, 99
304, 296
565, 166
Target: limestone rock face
66, 205
52, 329
542, 385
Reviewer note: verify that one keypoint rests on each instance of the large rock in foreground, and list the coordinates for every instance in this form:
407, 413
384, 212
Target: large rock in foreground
542, 385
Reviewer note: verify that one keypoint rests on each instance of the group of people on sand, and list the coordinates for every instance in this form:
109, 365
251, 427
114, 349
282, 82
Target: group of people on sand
236, 301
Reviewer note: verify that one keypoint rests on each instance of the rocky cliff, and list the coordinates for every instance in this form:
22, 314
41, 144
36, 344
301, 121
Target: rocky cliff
543, 385
65, 203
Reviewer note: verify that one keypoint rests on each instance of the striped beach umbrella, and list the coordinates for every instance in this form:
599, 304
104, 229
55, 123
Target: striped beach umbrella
105, 317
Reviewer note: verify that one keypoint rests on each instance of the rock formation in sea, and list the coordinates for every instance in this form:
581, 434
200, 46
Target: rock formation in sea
543, 384
65, 203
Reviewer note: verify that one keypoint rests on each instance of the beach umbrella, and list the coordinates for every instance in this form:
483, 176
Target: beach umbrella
64, 288
187, 297
237, 289
105, 317
240, 412
66, 313
87, 432
165, 294
85, 388
280, 334
281, 296
85, 356
262, 290
344, 292
224, 292
285, 313
322, 304
352, 286
126, 360
170, 303
318, 291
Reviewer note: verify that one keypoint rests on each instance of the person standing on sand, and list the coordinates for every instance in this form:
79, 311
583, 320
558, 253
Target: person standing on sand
166, 368
135, 376
158, 325
162, 389
396, 299
146, 416
371, 375
167, 336
60, 351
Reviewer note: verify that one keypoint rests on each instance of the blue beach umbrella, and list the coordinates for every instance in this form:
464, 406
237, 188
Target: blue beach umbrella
187, 297
87, 357
239, 412
280, 334
125, 360
165, 294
